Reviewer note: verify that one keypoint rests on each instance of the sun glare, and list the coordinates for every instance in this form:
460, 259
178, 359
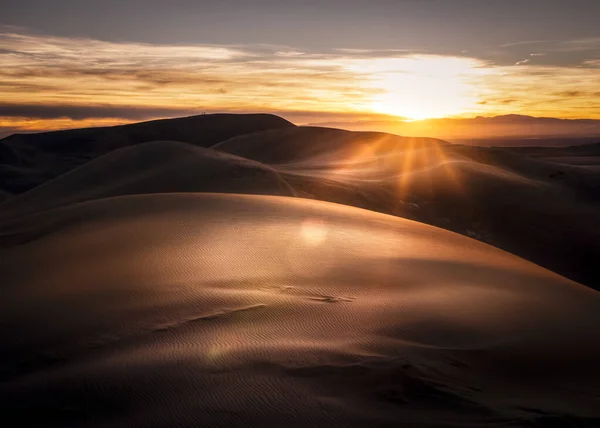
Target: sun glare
424, 87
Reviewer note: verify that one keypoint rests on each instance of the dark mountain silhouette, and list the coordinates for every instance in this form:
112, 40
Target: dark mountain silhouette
507, 130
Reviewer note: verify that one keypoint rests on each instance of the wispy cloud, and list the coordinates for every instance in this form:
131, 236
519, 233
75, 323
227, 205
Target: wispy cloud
75, 112
45, 79
587, 44
81, 71
116, 76
568, 92
526, 42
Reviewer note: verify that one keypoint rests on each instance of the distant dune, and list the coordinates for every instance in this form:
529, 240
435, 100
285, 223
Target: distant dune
195, 272
587, 156
314, 144
506, 130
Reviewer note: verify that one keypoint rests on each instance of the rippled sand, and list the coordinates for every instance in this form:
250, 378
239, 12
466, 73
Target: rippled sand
195, 310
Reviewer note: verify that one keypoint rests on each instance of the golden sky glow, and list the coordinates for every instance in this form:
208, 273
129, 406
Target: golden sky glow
422, 86
53, 82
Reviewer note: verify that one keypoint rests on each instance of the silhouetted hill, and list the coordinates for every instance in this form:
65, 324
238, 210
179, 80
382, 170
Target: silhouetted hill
27, 160
507, 130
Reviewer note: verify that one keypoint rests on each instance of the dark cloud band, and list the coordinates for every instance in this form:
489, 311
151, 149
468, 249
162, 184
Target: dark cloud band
90, 112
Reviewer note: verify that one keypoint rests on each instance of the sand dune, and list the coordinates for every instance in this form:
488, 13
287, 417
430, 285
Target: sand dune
586, 156
156, 167
230, 310
516, 200
544, 212
311, 144
130, 296
28, 160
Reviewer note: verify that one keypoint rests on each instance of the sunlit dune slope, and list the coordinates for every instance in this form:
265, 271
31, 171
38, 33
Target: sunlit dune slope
233, 311
27, 160
155, 167
312, 144
519, 200
539, 210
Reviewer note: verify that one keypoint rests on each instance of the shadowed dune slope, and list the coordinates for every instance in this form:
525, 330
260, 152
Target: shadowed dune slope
155, 167
232, 311
586, 156
27, 160
592, 149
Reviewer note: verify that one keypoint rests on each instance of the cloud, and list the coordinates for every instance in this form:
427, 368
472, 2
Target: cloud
525, 43
586, 44
539, 90
75, 112
567, 53
62, 71
289, 53
46, 78
82, 71
592, 63
570, 94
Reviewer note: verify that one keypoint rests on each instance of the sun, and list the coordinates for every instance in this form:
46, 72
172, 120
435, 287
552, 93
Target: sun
407, 109
419, 104
424, 87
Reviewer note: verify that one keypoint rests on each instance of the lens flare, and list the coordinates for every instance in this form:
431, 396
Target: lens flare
314, 232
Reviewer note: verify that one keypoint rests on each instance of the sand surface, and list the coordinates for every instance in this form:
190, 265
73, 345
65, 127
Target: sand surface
543, 211
190, 273
231, 310
515, 200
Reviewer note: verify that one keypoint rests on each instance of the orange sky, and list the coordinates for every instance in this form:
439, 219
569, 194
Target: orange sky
57, 82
